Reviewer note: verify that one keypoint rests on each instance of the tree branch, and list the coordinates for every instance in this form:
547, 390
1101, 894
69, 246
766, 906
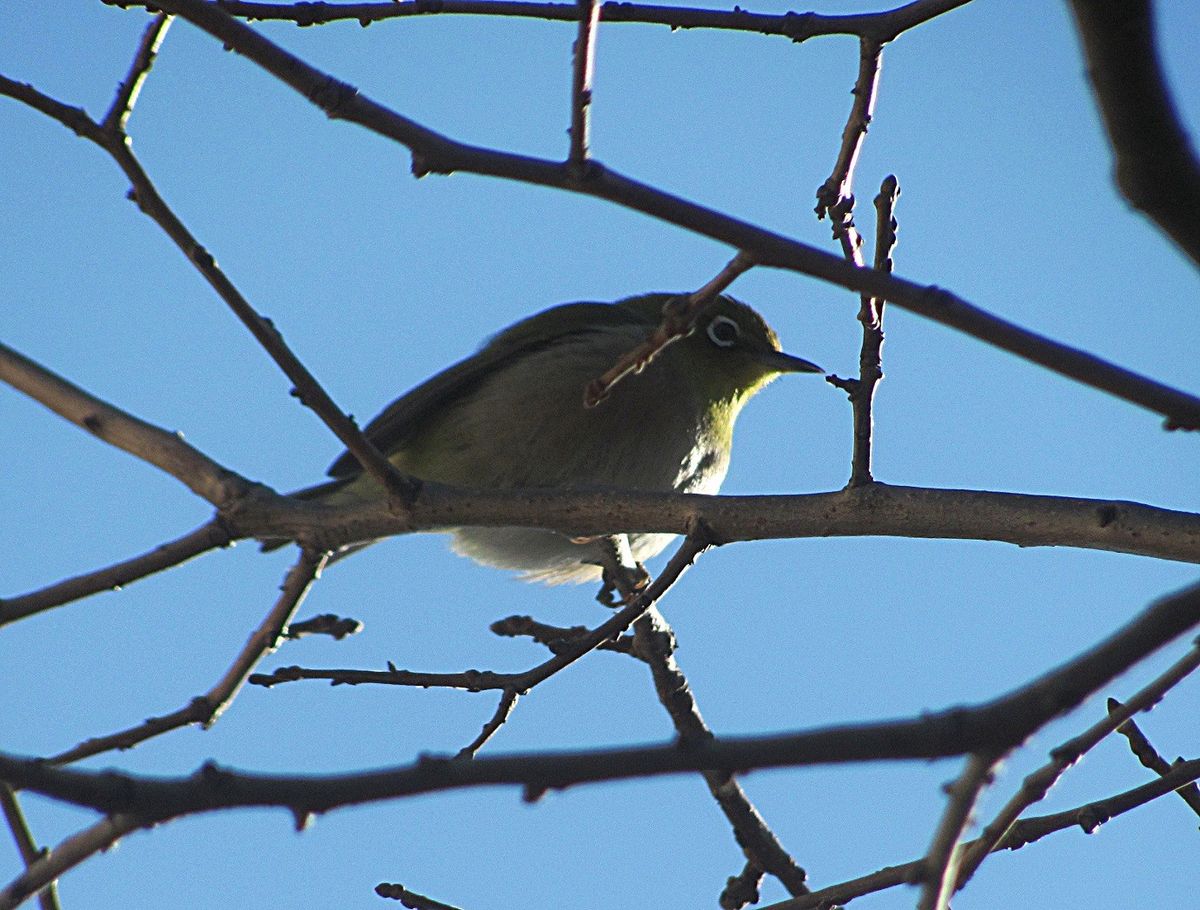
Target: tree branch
435, 153
1038, 783
26, 845
994, 726
208, 536
206, 708
1155, 163
883, 26
1024, 832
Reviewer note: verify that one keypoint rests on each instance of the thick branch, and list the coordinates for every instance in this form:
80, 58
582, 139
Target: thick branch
1156, 165
872, 510
991, 727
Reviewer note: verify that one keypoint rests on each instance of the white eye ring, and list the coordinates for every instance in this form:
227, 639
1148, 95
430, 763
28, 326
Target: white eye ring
723, 332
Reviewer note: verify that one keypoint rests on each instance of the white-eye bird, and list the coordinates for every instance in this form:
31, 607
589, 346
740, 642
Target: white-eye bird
512, 415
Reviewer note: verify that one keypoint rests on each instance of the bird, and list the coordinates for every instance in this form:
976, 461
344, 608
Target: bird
512, 415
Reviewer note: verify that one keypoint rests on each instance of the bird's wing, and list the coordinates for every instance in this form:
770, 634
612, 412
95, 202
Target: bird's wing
399, 419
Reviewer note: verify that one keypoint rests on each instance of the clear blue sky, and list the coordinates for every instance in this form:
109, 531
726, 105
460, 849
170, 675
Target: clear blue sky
377, 280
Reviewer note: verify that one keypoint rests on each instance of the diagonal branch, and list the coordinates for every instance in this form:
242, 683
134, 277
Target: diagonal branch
1141, 747
1156, 166
1038, 783
435, 153
654, 642
70, 853
207, 537
206, 708
144, 193
26, 845
992, 727
939, 869
117, 117
1024, 832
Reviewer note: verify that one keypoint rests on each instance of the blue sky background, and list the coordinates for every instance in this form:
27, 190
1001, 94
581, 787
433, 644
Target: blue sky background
377, 280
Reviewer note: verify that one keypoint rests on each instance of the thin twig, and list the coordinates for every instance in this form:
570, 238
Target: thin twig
117, 117
940, 867
581, 86
555, 638
993, 727
206, 708
435, 153
679, 319
883, 26
336, 627
1024, 832
508, 701
870, 357
1038, 783
70, 853
1141, 747
26, 845
835, 197
208, 536
479, 680
410, 899
654, 642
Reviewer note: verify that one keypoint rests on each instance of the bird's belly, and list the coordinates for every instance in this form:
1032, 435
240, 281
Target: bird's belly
546, 556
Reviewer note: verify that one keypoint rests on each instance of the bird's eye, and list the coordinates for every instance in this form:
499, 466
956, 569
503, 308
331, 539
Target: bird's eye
724, 332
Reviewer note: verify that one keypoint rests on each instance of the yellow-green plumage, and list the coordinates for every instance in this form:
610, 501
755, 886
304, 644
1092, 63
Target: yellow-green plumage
512, 415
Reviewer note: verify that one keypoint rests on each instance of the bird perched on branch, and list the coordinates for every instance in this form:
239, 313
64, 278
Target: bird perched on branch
513, 416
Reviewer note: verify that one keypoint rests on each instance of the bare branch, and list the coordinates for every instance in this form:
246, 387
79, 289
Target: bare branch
144, 193
581, 87
479, 680
117, 117
940, 868
556, 638
1024, 832
884, 26
1148, 755
1093, 815
434, 153
679, 318
1038, 783
508, 701
835, 197
163, 449
875, 509
336, 627
993, 727
410, 899
70, 853
1156, 165
870, 356
208, 536
26, 845
206, 708
654, 642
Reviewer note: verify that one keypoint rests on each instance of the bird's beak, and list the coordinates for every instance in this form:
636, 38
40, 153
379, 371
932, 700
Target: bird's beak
786, 363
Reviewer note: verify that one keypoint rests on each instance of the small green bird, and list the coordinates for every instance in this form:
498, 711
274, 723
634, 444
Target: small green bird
512, 415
